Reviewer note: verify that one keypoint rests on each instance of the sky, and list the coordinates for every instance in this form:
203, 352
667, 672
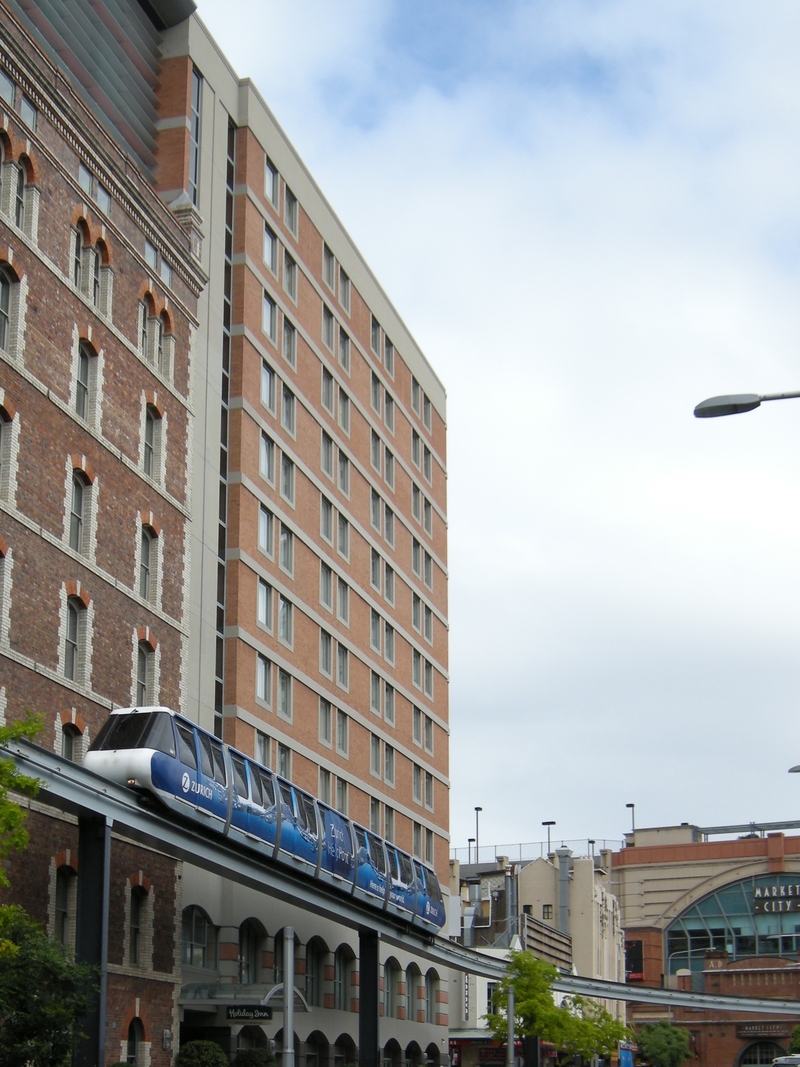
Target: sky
587, 212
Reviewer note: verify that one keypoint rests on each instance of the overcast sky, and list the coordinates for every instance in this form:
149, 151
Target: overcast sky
588, 214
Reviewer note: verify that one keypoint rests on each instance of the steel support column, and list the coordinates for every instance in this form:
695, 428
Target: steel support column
91, 937
369, 983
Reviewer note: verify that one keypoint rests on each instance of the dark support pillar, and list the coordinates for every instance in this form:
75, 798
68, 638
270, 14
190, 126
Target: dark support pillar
368, 993
91, 939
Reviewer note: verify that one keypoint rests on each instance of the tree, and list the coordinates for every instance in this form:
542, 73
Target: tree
201, 1054
580, 1026
13, 835
42, 994
794, 1040
663, 1045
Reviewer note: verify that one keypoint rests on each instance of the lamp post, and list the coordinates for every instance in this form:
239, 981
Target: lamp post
470, 842
633, 816
477, 834
548, 823
736, 404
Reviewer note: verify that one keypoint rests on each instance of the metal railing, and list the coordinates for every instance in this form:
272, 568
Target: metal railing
531, 850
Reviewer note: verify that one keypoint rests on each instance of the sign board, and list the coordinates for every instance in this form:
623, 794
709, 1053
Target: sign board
247, 1012
773, 899
763, 1029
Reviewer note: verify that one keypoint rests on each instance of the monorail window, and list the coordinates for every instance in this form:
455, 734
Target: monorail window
434, 892
406, 870
301, 812
394, 870
255, 785
186, 746
239, 777
150, 729
376, 853
206, 756
219, 762
269, 790
286, 796
307, 804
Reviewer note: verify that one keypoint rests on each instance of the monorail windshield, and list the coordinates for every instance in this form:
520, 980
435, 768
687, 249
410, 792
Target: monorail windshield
148, 729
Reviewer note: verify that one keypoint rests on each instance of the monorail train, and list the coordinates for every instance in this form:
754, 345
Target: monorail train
154, 750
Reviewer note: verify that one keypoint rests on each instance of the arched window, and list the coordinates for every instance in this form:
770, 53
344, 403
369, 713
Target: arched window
84, 380
135, 1041
250, 939
431, 985
159, 343
65, 892
78, 513
391, 979
761, 1054
138, 904
97, 264
342, 975
147, 562
19, 200
151, 451
77, 257
144, 674
70, 735
316, 952
5, 453
413, 977
199, 939
5, 311
74, 638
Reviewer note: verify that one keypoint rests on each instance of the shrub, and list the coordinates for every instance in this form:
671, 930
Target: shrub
254, 1057
201, 1054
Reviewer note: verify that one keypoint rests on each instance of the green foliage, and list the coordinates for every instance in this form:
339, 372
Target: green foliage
579, 1026
254, 1057
794, 1040
201, 1054
13, 835
42, 994
663, 1045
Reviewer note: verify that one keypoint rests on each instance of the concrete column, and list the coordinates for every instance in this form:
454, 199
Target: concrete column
288, 996
368, 1040
91, 936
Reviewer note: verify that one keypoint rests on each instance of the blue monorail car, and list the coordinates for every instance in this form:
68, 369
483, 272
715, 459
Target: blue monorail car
198, 776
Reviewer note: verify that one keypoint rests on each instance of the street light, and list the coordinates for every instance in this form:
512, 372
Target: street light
477, 834
548, 823
633, 816
716, 406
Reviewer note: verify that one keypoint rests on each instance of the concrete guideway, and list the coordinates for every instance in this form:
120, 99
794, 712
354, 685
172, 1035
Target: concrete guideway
101, 805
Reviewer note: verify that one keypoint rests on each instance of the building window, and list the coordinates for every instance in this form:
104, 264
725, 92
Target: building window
326, 518
326, 454
375, 757
288, 410
148, 548
270, 249
342, 733
65, 887
428, 679
416, 838
341, 795
416, 725
344, 290
388, 764
269, 316
327, 327
388, 412
151, 444
285, 628
138, 903
83, 381
289, 342
375, 336
264, 604
79, 513
194, 142
284, 693
199, 939
416, 783
324, 786
287, 478
74, 638
375, 815
376, 510
145, 663
428, 723
416, 502
388, 356
5, 311
547, 911
389, 643
262, 748
249, 953
327, 390
344, 410
284, 762
375, 692
267, 458
388, 823
375, 570
268, 379
416, 612
415, 395
388, 529
263, 692
427, 463
342, 667
271, 182
388, 707
376, 393
344, 350
286, 559
325, 586
70, 735
416, 669
291, 212
428, 624
20, 197
427, 572
343, 600
28, 112
375, 451
326, 653
342, 970
328, 266
428, 517
325, 725
290, 275
429, 790
344, 473
266, 524
344, 536
375, 631
427, 413
388, 468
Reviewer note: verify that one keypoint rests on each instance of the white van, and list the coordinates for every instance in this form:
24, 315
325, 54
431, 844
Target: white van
787, 1061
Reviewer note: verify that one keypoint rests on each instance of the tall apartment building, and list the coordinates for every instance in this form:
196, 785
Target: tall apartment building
286, 469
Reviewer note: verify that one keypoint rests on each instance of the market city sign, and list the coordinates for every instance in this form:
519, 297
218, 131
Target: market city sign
771, 899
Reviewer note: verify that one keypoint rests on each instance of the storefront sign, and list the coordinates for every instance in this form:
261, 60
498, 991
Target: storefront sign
762, 1030
772, 899
248, 1012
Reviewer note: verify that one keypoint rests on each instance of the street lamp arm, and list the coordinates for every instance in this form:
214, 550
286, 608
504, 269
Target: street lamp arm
736, 404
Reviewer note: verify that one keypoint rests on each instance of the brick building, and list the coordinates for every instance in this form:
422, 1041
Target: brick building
717, 916
95, 492
222, 489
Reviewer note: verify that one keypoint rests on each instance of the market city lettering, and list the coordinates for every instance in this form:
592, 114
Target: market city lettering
771, 899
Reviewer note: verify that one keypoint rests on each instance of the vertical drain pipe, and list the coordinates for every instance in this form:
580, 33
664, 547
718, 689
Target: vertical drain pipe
288, 996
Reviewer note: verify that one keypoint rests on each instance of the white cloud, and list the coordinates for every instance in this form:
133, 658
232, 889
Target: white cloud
590, 223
